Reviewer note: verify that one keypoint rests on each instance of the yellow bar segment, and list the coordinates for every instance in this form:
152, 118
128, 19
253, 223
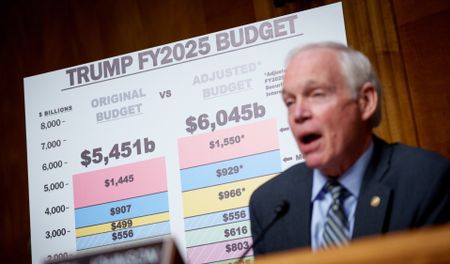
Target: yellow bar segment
138, 221
234, 195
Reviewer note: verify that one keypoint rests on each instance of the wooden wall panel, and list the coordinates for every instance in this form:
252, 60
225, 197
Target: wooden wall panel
227, 14
371, 29
407, 40
424, 33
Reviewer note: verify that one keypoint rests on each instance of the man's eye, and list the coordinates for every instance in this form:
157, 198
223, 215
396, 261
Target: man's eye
318, 94
288, 102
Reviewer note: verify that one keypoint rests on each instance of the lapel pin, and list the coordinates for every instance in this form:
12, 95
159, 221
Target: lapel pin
375, 202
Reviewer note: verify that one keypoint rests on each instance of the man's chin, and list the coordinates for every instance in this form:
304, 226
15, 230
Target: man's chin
312, 162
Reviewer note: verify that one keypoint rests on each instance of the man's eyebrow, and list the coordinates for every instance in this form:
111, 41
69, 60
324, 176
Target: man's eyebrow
312, 84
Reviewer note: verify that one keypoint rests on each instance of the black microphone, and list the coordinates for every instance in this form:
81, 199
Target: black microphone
280, 210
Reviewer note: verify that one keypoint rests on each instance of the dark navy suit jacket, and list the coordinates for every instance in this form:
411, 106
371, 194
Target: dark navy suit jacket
413, 185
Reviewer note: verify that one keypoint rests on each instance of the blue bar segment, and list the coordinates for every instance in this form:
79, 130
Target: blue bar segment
249, 167
140, 206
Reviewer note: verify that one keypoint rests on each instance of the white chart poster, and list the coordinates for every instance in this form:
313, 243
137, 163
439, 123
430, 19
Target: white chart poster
170, 140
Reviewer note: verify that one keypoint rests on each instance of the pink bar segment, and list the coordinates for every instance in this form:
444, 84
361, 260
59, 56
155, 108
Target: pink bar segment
148, 177
217, 251
257, 137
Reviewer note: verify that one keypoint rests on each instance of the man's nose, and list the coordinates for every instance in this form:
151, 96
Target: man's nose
302, 112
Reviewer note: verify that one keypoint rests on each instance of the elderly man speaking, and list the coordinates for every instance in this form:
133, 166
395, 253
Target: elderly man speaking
352, 183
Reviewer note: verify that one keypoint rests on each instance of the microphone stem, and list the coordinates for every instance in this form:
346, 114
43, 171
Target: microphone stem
258, 238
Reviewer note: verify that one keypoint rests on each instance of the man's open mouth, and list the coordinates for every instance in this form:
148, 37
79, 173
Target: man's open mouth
306, 139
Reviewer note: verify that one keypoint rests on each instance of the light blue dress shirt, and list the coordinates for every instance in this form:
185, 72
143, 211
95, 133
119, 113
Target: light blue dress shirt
321, 199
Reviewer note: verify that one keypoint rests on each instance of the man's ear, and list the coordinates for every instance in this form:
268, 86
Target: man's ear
367, 101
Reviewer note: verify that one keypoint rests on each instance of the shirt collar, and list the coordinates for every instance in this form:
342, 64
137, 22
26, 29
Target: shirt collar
351, 179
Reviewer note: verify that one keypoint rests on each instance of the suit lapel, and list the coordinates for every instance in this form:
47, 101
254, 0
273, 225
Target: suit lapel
371, 211
301, 212
374, 198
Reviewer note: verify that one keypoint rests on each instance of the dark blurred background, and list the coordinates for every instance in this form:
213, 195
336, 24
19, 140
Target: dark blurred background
407, 40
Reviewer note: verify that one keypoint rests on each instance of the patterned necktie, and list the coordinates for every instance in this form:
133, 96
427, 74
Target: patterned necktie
336, 232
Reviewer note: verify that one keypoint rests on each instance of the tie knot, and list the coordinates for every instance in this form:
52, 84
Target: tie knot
336, 190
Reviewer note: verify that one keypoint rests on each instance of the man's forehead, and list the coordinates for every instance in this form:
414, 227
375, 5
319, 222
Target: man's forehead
312, 68
311, 63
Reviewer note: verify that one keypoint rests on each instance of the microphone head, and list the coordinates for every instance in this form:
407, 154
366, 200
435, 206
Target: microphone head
282, 208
